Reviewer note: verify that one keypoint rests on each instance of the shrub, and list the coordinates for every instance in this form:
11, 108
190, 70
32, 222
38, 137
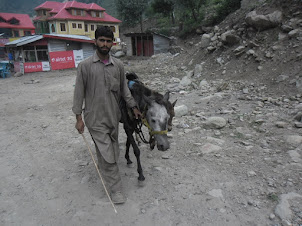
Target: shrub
224, 9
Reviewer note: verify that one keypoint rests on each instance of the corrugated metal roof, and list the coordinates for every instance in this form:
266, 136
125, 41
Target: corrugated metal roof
29, 39
70, 36
24, 40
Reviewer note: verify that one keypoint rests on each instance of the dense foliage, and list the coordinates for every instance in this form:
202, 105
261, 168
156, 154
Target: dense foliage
186, 14
224, 8
131, 11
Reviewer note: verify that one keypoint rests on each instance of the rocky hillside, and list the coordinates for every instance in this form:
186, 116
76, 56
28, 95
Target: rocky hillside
256, 46
239, 91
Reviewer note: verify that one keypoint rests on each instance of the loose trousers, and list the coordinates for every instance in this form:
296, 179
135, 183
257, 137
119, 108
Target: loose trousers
110, 173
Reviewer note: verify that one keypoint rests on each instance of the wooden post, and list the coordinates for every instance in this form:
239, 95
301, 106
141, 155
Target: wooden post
36, 54
135, 45
142, 41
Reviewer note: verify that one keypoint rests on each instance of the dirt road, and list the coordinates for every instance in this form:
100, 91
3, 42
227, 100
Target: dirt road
230, 176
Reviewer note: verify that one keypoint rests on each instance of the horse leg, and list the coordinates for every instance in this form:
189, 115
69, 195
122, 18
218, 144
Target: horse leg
129, 162
138, 140
137, 155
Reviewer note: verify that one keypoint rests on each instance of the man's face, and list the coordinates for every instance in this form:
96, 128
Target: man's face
103, 44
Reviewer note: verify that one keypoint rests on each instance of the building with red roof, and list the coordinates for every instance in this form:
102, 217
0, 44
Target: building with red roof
73, 18
14, 25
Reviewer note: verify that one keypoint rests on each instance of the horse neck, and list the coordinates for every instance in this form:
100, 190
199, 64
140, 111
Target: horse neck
138, 92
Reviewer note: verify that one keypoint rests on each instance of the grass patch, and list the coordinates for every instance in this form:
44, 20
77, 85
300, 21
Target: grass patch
273, 197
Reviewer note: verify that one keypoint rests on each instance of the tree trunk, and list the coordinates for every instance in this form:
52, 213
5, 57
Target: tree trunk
173, 18
141, 24
194, 14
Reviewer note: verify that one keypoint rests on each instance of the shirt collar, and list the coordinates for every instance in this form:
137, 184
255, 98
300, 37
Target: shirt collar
96, 58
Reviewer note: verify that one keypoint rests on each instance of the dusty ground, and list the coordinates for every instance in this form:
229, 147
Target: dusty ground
232, 176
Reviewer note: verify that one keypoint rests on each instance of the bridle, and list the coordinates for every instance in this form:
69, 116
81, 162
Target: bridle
143, 121
151, 131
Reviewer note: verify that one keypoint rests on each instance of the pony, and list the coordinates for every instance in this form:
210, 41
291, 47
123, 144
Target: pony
158, 113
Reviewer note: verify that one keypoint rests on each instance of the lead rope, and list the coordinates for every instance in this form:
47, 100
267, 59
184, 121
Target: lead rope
140, 132
98, 172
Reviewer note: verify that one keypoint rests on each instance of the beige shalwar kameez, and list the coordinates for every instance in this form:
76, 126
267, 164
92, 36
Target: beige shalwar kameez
101, 85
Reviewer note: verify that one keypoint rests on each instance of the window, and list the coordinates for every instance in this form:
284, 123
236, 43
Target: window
42, 53
16, 34
29, 54
62, 26
53, 29
44, 12
14, 21
96, 14
92, 27
74, 25
86, 27
27, 33
78, 12
80, 26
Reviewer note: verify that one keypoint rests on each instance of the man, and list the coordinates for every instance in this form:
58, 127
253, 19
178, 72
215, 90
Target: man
100, 84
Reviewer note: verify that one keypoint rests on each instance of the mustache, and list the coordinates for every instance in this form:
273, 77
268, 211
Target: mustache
103, 49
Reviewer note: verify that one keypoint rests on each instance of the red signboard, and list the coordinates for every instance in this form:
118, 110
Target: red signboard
61, 60
33, 67
3, 41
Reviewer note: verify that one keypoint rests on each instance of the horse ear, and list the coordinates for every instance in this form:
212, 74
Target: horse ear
147, 100
166, 96
174, 103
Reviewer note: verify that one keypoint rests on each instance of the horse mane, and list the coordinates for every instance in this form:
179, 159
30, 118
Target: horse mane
139, 89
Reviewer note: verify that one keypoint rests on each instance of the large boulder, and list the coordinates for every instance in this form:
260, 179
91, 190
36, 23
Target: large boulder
263, 22
230, 38
205, 40
181, 110
214, 123
119, 54
198, 70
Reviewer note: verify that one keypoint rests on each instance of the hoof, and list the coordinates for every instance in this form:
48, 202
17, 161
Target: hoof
141, 183
130, 165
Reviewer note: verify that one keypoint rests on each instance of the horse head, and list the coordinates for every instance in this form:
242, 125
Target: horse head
157, 118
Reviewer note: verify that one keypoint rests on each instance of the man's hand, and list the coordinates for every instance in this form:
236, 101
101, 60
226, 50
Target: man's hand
137, 113
80, 124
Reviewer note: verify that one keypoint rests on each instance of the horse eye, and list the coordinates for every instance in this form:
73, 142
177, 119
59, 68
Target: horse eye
152, 120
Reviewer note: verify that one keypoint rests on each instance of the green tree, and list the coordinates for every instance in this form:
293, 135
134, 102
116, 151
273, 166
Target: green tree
192, 6
131, 11
225, 8
165, 7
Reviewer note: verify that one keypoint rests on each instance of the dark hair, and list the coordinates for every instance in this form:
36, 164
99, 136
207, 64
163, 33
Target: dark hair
103, 31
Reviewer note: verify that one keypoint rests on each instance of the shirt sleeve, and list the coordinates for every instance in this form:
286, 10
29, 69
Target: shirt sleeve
125, 92
79, 92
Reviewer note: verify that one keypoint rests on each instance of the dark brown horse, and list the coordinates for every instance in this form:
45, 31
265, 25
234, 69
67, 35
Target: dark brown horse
158, 113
